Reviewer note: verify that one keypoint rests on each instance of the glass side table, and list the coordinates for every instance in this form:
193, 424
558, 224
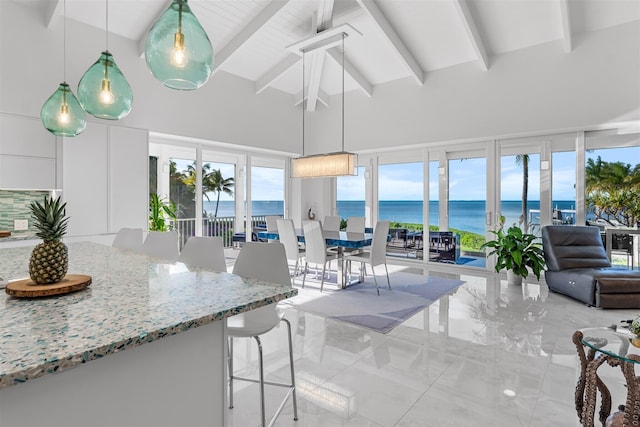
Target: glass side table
614, 347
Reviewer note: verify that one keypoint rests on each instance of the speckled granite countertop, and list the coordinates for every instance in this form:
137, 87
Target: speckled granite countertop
133, 300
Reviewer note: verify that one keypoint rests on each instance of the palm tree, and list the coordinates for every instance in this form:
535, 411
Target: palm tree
523, 159
215, 182
611, 189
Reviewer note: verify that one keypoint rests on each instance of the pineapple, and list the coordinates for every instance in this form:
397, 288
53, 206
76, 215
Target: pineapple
49, 259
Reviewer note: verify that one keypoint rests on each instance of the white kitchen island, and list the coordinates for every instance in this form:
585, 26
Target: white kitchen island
144, 345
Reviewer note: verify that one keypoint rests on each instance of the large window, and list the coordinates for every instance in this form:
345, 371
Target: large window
434, 196
612, 179
563, 187
267, 191
218, 190
520, 190
350, 195
400, 194
467, 208
400, 200
213, 202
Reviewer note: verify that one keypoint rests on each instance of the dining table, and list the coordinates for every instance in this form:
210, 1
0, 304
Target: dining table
343, 241
144, 344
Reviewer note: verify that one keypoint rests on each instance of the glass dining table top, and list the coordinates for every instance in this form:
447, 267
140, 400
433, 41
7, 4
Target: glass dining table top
618, 342
333, 238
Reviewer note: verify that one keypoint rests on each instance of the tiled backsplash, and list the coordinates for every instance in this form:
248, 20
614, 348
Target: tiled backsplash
15, 205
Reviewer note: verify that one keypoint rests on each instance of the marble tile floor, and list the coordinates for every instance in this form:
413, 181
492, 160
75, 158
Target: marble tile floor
488, 355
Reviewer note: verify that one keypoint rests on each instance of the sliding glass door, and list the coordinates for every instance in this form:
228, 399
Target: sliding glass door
520, 188
466, 208
267, 190
351, 195
400, 201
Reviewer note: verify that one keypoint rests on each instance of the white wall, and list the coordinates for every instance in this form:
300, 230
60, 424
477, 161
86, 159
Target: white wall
541, 88
537, 89
225, 109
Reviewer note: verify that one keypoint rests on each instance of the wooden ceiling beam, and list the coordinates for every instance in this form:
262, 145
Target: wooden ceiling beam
316, 62
325, 15
267, 13
472, 32
321, 20
350, 69
566, 25
323, 98
276, 71
403, 53
143, 38
53, 11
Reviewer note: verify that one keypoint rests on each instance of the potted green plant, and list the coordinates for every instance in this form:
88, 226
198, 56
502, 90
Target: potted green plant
516, 252
159, 210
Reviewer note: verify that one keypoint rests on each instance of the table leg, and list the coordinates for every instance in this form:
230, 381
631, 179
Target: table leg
632, 406
588, 384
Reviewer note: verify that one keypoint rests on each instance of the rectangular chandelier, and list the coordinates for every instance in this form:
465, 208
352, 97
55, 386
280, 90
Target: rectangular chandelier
324, 165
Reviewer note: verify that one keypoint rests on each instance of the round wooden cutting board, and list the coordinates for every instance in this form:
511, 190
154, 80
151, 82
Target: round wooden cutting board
27, 289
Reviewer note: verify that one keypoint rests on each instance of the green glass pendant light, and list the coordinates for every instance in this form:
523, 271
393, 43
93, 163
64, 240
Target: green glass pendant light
103, 90
178, 51
61, 113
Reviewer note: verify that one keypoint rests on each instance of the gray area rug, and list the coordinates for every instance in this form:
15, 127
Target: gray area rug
360, 305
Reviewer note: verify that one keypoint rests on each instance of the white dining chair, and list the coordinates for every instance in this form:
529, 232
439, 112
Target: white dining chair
331, 223
272, 222
376, 256
288, 237
162, 244
129, 238
355, 224
316, 249
268, 262
204, 252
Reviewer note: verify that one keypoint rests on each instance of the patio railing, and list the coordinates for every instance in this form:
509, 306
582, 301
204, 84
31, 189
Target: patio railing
221, 226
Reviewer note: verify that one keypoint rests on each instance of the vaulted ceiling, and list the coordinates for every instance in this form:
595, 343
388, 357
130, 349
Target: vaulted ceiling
388, 39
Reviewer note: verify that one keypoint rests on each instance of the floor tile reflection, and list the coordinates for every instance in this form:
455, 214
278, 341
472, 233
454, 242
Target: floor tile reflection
489, 354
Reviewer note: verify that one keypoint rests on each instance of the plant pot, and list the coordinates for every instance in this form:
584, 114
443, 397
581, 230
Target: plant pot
513, 278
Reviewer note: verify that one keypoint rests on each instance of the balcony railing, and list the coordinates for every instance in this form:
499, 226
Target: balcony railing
221, 226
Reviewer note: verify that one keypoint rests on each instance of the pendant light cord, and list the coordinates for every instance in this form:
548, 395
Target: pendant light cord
106, 27
303, 106
342, 91
64, 41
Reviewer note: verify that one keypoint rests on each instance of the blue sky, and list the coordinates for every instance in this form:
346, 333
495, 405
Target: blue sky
466, 178
268, 183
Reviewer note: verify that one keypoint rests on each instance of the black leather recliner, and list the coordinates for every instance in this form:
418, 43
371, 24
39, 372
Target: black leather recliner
577, 266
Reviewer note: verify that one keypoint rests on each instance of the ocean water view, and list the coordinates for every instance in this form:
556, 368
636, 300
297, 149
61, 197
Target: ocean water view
469, 215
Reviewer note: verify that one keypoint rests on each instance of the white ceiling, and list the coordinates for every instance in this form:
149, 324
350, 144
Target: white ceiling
400, 38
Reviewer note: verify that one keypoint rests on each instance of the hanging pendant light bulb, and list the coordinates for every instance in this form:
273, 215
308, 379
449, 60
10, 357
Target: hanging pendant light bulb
61, 114
103, 90
178, 51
